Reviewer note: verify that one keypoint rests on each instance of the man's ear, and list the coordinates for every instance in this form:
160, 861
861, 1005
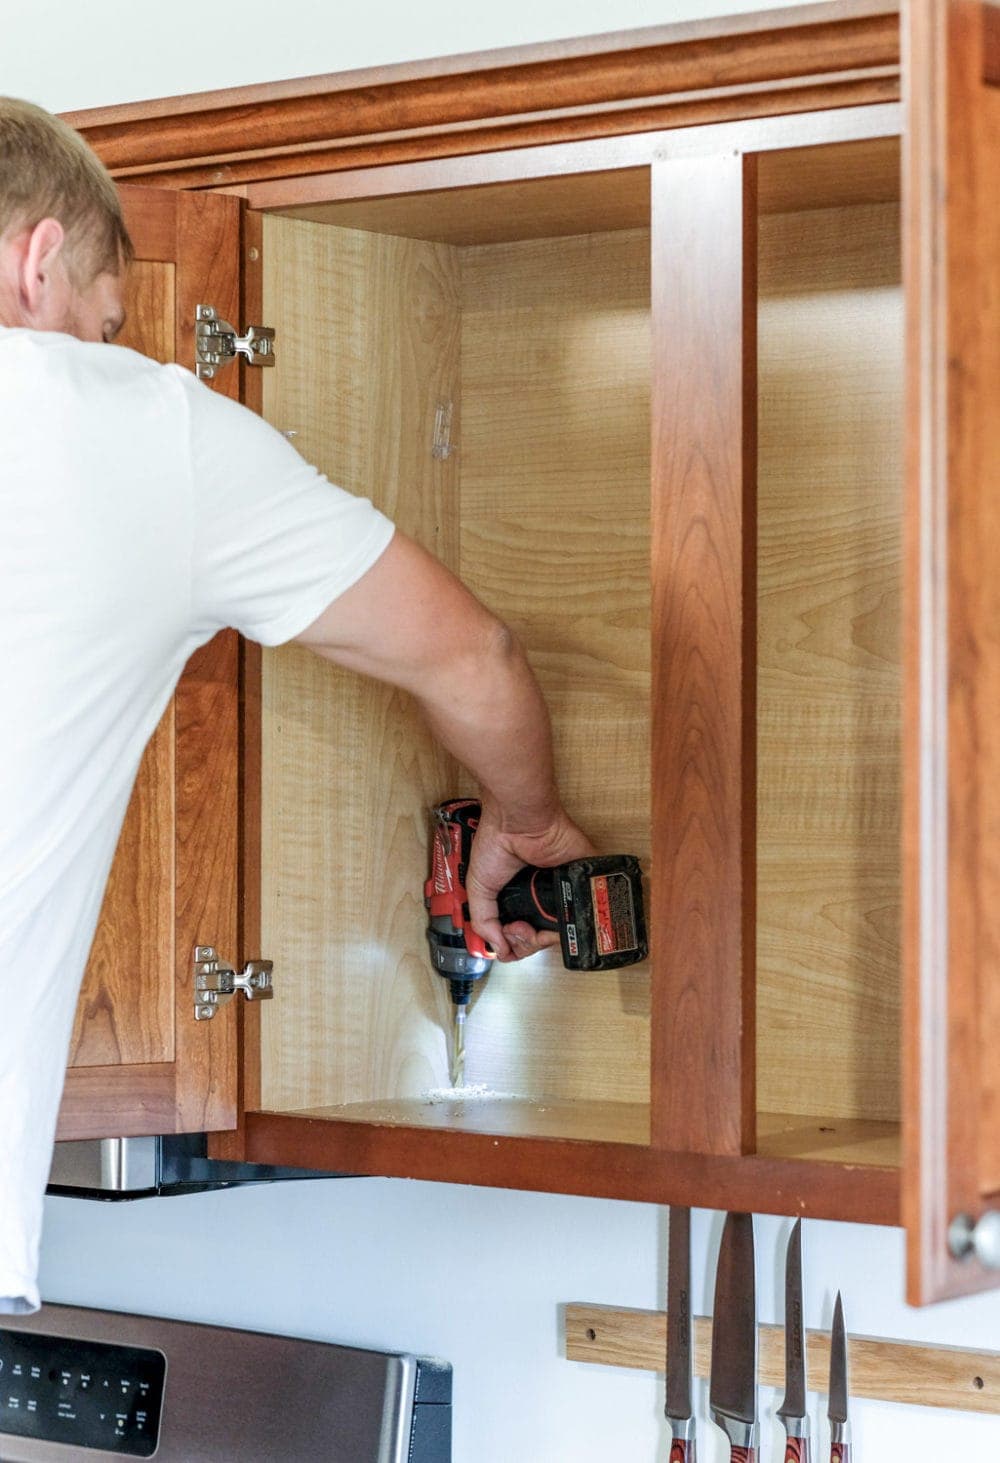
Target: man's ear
40, 249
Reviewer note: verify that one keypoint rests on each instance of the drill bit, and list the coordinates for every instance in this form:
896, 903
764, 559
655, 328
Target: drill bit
458, 1046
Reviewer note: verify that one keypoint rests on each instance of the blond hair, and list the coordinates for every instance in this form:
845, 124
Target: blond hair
48, 171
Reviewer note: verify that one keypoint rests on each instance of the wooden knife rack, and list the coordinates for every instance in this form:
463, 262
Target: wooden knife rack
885, 1371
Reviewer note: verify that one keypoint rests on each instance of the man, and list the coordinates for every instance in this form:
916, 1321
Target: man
139, 514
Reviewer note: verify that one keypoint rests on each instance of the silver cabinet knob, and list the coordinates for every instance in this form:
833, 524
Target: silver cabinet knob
981, 1238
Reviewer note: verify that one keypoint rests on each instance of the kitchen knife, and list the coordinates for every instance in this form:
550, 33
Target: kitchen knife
840, 1428
733, 1388
678, 1408
793, 1410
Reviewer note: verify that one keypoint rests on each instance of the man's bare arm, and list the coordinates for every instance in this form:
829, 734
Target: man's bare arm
408, 621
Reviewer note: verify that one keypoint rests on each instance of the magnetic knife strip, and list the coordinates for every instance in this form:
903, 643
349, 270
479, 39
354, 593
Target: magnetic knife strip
885, 1371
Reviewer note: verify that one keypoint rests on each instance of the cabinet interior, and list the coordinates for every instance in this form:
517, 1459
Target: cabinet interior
478, 362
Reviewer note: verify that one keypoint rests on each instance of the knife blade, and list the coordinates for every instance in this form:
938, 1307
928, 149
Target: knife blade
840, 1428
733, 1388
678, 1405
793, 1409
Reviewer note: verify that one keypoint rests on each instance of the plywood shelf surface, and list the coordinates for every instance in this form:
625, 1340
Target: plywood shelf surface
828, 1139
475, 1111
885, 1371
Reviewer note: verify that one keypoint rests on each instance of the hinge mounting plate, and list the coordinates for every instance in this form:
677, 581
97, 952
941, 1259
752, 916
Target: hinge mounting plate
215, 982
216, 343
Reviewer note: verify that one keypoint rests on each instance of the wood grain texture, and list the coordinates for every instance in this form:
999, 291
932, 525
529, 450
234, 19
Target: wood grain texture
554, 340
851, 1192
828, 751
501, 1113
847, 127
828, 1139
228, 1145
208, 273
704, 657
990, 15
951, 845
150, 309
151, 219
554, 455
877, 89
125, 1010
688, 58
370, 327
137, 1065
134, 1100
885, 1371
578, 203
863, 171
796, 1450
207, 701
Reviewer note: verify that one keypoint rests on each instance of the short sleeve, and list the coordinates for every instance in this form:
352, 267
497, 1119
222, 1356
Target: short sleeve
275, 541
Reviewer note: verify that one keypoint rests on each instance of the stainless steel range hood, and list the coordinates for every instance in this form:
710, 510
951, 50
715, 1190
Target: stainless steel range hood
142, 1168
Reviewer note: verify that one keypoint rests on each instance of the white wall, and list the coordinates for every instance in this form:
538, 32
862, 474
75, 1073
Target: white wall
476, 1276
65, 55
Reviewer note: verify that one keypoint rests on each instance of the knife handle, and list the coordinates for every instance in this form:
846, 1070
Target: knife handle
840, 1453
744, 1455
797, 1450
682, 1450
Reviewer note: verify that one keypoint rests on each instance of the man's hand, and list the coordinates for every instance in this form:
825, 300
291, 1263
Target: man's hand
497, 855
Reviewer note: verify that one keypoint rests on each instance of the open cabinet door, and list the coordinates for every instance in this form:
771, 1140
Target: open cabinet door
139, 1062
952, 722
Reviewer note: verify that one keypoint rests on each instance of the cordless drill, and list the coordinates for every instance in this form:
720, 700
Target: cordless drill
595, 904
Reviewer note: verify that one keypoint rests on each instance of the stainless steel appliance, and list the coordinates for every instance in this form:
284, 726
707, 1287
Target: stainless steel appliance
77, 1386
141, 1168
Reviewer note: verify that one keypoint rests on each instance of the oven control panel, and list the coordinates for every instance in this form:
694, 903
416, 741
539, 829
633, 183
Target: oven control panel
91, 1394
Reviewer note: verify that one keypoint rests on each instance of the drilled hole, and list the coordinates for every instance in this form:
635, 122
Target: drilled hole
592, 1336
978, 1383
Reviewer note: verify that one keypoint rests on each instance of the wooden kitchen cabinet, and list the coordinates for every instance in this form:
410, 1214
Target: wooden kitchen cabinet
138, 1063
680, 348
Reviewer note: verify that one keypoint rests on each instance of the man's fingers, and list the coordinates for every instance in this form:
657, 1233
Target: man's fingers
491, 932
523, 940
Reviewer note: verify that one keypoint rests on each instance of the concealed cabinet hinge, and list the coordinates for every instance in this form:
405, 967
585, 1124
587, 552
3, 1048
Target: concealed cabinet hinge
216, 343
215, 982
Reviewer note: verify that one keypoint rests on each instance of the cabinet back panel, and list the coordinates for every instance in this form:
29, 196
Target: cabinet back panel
829, 557
543, 507
555, 537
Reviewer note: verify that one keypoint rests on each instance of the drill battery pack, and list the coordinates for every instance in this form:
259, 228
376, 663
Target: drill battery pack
595, 904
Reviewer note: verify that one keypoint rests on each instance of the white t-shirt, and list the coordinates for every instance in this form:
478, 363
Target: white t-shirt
139, 513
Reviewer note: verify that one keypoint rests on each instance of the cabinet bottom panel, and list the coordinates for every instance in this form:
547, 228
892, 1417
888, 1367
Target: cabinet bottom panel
849, 1189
